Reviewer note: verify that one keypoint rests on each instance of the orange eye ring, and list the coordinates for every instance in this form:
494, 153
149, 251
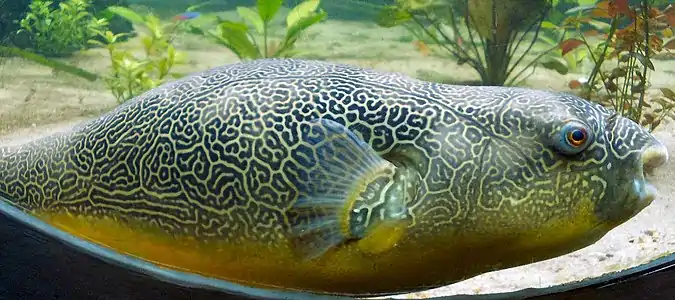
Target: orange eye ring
573, 138
577, 137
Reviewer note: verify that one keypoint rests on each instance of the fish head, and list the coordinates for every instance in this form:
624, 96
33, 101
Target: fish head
556, 173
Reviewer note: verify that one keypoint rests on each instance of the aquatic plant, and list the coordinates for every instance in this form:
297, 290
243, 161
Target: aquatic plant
257, 43
60, 31
13, 11
629, 48
490, 38
130, 74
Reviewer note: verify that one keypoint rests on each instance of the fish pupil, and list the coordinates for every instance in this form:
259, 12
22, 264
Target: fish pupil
578, 135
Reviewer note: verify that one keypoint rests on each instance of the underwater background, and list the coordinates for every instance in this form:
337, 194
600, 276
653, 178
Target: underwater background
62, 62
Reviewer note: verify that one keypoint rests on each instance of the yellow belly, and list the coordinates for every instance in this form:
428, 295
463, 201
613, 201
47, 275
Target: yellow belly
411, 265
249, 263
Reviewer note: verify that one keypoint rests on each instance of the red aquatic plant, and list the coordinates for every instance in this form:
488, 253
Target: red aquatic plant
630, 35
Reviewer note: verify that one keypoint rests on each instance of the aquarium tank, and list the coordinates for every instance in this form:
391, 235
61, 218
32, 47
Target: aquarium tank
97, 96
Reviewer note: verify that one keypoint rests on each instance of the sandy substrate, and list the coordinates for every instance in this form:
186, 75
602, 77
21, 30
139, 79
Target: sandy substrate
34, 102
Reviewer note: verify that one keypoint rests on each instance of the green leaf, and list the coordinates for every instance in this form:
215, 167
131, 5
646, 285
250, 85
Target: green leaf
171, 58
572, 61
663, 102
154, 24
548, 40
195, 30
392, 16
301, 11
557, 64
293, 33
97, 43
580, 8
643, 60
588, 2
216, 35
126, 13
304, 23
668, 93
56, 65
602, 26
268, 8
548, 25
236, 35
197, 6
252, 17
163, 66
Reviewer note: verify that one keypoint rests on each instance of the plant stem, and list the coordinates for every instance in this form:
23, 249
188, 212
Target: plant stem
458, 51
265, 39
531, 63
474, 62
601, 59
643, 79
626, 85
529, 48
484, 73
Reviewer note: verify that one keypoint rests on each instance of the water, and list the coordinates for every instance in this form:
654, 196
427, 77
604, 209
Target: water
35, 101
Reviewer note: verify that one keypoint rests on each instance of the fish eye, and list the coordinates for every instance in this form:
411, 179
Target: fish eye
574, 138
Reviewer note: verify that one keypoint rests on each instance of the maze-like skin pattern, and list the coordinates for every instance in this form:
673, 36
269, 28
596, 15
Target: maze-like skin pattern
219, 154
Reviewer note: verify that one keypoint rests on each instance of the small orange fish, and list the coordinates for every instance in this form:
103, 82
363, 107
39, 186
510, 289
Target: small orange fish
421, 47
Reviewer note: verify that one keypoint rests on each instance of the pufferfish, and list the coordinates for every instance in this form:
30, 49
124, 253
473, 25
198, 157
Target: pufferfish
326, 178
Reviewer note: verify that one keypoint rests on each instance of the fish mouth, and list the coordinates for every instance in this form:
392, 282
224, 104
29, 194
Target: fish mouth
652, 157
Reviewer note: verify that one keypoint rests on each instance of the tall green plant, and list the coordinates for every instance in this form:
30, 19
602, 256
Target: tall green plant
60, 31
251, 38
486, 34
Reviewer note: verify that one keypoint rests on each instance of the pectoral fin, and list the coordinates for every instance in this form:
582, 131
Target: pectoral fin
346, 171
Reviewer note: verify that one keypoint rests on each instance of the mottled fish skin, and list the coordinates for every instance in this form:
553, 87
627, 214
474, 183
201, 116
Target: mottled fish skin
218, 157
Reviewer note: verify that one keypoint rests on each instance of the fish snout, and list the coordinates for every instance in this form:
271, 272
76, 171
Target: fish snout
653, 157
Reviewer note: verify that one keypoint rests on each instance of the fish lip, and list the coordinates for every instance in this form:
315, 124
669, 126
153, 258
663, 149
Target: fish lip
652, 157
